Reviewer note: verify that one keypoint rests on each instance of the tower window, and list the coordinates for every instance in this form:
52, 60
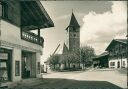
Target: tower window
74, 35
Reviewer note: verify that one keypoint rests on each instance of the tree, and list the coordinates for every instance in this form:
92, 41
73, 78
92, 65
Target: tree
69, 58
86, 55
82, 56
53, 61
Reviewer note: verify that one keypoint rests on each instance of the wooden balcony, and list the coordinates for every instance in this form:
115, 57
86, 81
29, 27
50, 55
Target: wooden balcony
32, 37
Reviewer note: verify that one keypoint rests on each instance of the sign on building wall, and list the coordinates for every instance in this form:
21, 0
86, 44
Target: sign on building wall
17, 68
3, 56
38, 64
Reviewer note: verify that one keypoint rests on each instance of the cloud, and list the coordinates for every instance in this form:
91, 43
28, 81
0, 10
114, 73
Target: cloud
99, 29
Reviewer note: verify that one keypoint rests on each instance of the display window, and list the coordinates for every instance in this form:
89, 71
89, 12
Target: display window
5, 64
3, 67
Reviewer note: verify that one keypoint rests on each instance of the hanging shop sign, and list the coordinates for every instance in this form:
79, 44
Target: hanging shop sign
4, 56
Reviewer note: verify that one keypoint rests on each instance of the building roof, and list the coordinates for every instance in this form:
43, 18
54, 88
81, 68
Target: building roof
101, 55
27, 14
123, 41
73, 22
33, 15
65, 49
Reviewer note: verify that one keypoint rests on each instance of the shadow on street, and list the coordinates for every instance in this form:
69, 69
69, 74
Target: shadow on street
55, 83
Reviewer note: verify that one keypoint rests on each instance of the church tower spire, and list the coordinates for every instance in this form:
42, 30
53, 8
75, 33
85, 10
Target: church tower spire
73, 21
73, 34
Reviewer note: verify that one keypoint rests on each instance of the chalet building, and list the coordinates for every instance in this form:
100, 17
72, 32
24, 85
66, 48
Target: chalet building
20, 49
73, 40
117, 53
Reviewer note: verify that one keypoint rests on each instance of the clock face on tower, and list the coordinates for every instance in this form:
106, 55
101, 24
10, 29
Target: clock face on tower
73, 35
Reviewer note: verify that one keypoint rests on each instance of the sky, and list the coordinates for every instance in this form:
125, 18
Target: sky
100, 21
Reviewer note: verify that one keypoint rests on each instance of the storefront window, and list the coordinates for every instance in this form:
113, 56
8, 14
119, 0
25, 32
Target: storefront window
3, 67
17, 68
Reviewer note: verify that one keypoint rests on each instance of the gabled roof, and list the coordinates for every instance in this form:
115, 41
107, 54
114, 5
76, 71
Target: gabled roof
123, 41
65, 49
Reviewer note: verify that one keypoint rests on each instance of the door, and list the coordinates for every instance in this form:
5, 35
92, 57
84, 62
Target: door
26, 65
23, 67
118, 64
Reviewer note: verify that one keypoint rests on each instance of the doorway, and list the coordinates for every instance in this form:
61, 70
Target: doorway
25, 71
118, 64
28, 64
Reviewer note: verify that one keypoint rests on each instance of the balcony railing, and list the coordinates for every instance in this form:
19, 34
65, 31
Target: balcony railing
32, 37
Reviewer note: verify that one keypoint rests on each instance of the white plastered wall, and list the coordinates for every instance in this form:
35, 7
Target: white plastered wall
38, 55
16, 56
116, 63
11, 34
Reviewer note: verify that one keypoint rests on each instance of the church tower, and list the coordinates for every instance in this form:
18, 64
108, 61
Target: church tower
73, 34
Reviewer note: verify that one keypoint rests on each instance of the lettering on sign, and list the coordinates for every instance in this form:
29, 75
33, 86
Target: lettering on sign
3, 56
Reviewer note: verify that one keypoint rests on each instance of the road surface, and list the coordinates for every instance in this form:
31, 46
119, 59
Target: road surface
92, 79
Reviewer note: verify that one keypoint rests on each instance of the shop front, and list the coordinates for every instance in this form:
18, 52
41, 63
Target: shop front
5, 64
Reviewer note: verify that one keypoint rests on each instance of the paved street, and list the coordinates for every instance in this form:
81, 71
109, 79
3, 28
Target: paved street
112, 76
92, 79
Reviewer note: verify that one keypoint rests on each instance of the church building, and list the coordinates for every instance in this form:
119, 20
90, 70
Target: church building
72, 43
